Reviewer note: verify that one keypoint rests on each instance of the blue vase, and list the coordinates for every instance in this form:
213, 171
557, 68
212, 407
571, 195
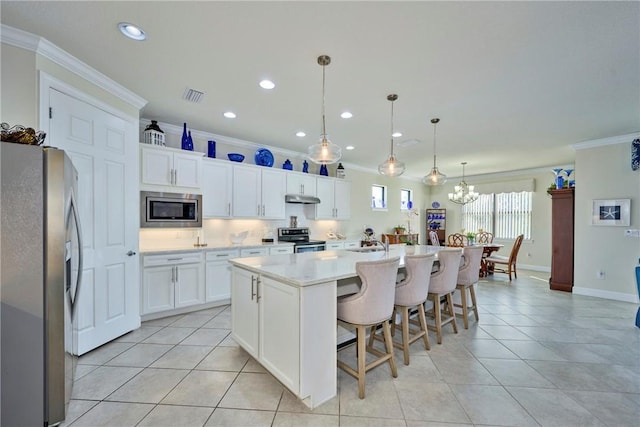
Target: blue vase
189, 142
211, 149
287, 165
305, 167
324, 171
185, 138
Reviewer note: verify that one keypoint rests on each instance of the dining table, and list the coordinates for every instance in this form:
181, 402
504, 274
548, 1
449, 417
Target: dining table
487, 250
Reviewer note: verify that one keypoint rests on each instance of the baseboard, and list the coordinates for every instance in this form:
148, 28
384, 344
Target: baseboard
599, 293
533, 267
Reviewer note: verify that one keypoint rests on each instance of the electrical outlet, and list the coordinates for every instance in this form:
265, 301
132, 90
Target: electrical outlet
600, 274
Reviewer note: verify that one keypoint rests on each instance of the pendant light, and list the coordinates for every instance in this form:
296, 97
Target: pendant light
434, 177
464, 193
324, 152
391, 166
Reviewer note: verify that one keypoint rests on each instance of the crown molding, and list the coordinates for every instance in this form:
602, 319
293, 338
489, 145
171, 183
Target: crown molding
602, 142
41, 46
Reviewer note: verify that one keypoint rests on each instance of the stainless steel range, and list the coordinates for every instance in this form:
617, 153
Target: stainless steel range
300, 237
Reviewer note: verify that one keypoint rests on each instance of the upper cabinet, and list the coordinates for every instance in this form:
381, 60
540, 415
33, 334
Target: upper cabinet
217, 188
335, 199
258, 192
301, 183
167, 169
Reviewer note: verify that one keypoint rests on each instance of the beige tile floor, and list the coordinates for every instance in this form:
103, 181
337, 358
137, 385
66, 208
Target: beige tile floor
535, 358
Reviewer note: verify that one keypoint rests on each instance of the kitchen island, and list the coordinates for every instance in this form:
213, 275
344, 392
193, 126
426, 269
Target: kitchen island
283, 311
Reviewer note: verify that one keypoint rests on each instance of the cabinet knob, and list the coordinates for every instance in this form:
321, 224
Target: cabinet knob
131, 253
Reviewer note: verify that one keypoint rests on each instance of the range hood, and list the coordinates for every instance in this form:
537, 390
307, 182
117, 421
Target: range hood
300, 198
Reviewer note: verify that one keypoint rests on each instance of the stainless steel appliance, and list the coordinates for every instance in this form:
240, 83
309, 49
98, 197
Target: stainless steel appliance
170, 209
300, 238
41, 274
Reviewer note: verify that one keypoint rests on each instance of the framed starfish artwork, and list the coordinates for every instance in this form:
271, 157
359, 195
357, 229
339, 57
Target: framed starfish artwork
611, 212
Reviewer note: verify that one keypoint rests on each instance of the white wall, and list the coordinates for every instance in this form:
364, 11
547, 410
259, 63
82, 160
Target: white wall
606, 248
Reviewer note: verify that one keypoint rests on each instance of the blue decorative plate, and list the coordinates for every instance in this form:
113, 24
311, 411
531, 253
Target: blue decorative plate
264, 157
435, 205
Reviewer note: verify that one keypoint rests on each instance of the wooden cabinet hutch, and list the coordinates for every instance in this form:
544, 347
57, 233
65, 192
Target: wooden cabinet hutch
562, 226
437, 220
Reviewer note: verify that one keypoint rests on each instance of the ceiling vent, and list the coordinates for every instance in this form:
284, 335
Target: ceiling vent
192, 95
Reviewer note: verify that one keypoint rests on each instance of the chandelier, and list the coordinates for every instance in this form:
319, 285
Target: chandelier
464, 193
391, 166
434, 177
324, 152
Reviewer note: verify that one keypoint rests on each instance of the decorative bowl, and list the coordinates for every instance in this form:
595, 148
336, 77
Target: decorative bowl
235, 157
237, 238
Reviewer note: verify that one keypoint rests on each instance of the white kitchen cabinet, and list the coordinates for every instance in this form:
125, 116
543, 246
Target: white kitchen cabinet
217, 188
218, 274
335, 199
279, 330
244, 310
350, 244
254, 252
301, 183
332, 246
258, 193
278, 250
172, 281
263, 328
170, 168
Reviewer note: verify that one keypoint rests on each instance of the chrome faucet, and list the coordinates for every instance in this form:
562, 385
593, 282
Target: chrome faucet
383, 244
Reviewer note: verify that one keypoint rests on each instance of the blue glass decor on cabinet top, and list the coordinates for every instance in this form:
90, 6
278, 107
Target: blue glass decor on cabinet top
287, 165
264, 157
305, 167
323, 170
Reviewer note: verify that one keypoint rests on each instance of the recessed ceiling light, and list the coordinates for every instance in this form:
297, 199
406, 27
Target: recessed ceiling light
396, 134
267, 84
230, 115
346, 115
132, 31
301, 134
349, 147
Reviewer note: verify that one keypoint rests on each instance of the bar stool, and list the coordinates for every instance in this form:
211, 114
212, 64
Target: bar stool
412, 293
443, 284
468, 276
371, 306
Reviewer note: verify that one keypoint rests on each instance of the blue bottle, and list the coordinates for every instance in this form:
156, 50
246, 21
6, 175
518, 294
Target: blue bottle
211, 149
324, 171
185, 138
305, 167
189, 142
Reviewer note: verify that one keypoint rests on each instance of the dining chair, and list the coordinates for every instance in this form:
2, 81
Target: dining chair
468, 276
370, 307
484, 237
411, 293
441, 285
457, 240
508, 262
433, 237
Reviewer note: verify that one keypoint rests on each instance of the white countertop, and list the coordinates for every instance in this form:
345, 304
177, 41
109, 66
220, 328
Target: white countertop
310, 268
211, 246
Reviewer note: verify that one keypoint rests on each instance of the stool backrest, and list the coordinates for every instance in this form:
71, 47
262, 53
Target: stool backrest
415, 286
433, 237
445, 279
469, 272
377, 292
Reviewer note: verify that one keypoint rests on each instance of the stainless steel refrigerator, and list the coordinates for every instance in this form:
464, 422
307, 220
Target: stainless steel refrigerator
41, 264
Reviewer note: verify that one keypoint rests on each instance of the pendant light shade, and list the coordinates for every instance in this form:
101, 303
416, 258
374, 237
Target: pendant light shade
391, 166
464, 193
434, 177
324, 152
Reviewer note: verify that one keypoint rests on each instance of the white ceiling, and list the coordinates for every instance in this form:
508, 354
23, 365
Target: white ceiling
514, 83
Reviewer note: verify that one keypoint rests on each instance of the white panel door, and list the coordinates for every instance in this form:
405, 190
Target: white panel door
188, 169
246, 192
157, 166
189, 285
342, 199
325, 192
158, 289
216, 189
274, 187
104, 149
244, 310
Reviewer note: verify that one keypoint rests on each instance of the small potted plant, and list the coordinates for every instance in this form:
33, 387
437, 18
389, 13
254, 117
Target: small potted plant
471, 237
399, 229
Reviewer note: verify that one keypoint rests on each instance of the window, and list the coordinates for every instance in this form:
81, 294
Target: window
506, 215
406, 201
378, 197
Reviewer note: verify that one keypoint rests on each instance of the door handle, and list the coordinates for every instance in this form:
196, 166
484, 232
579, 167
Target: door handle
76, 218
258, 289
253, 293
131, 253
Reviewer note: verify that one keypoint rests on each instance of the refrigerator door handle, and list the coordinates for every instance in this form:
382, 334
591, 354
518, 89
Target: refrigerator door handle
76, 219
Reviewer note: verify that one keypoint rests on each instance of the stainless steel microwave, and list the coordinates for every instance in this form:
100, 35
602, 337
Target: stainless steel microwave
170, 209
